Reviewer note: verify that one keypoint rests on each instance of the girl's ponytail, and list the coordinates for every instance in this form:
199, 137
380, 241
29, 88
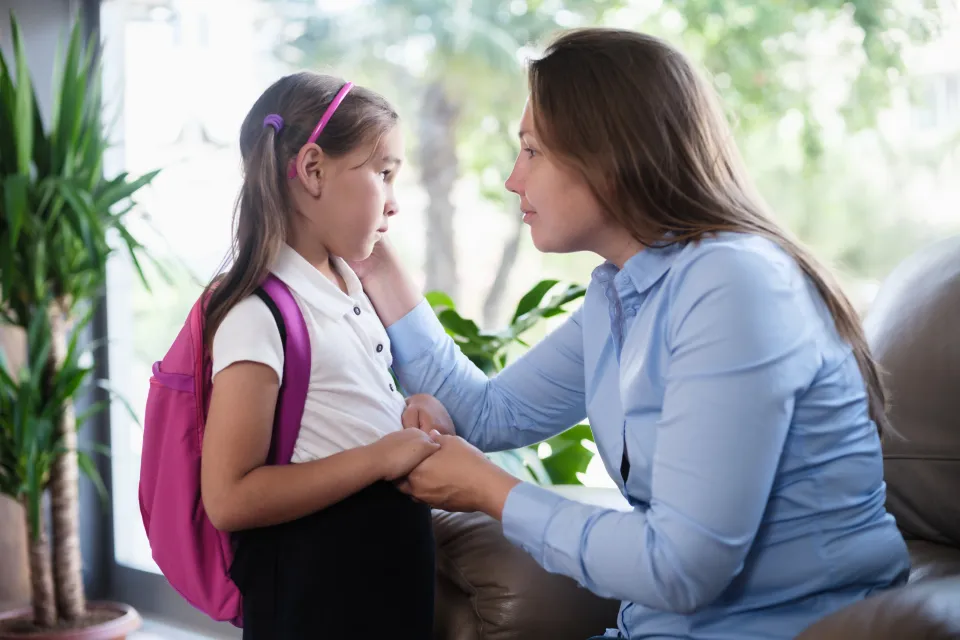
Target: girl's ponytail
260, 231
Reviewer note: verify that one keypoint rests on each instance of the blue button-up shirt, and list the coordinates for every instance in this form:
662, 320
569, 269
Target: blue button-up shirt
755, 471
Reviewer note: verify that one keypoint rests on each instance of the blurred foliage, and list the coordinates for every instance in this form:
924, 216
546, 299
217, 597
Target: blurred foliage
565, 455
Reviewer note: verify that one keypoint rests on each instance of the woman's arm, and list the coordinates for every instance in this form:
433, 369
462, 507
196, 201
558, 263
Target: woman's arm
535, 397
239, 492
740, 352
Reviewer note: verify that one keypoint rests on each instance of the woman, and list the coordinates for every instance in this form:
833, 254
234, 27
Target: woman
726, 377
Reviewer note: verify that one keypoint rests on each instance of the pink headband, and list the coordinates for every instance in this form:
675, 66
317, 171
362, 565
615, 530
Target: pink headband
323, 122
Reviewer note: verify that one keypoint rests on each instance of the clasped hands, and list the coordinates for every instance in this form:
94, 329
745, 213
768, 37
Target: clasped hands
453, 474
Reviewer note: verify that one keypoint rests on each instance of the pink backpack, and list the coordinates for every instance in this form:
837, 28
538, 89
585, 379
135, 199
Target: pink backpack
194, 556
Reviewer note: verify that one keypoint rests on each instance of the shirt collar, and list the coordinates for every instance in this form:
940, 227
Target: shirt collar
641, 271
314, 287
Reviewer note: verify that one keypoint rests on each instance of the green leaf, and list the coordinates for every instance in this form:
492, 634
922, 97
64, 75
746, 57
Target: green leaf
8, 149
69, 106
91, 411
568, 455
439, 300
41, 145
532, 298
119, 189
23, 111
89, 469
132, 245
82, 216
15, 206
114, 395
452, 321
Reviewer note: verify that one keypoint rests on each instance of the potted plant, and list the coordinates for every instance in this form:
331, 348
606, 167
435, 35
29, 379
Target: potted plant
57, 212
564, 457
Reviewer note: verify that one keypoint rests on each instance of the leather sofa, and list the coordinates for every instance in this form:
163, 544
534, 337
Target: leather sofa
490, 590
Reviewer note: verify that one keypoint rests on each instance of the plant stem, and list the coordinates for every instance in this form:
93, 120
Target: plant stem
41, 577
64, 499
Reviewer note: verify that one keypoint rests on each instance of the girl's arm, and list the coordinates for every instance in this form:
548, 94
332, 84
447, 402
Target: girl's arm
240, 492
537, 396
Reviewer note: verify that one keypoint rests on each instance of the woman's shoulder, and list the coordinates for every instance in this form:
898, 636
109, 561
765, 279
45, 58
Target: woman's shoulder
735, 260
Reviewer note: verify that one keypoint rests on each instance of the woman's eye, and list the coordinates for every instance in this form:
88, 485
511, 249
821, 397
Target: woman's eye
530, 152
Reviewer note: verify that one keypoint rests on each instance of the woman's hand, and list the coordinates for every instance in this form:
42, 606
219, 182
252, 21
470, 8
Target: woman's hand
426, 413
392, 291
383, 258
459, 477
398, 453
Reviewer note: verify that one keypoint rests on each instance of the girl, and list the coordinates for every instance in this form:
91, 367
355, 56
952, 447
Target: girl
328, 542
726, 377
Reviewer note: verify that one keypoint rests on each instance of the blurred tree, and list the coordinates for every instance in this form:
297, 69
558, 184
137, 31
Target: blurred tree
821, 63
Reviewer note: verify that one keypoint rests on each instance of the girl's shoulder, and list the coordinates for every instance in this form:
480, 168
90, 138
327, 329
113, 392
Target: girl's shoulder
248, 333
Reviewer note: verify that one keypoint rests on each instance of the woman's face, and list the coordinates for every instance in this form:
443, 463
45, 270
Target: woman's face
563, 214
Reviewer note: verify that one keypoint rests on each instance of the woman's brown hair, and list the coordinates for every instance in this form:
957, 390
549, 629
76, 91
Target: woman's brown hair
645, 130
261, 217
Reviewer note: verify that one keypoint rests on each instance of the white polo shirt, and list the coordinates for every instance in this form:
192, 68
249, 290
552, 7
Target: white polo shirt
351, 400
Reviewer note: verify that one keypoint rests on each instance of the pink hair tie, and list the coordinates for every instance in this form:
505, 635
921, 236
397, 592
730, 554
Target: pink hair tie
292, 173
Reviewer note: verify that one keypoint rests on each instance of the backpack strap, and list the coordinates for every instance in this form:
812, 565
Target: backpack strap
296, 367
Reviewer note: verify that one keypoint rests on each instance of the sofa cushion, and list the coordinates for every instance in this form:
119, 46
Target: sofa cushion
927, 610
913, 329
930, 561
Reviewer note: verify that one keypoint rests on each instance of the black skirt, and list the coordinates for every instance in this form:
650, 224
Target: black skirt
364, 567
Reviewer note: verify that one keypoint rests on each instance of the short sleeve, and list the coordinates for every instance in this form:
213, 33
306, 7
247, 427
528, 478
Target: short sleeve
248, 333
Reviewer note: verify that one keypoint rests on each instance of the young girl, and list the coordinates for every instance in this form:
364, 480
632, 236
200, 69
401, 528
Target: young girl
326, 546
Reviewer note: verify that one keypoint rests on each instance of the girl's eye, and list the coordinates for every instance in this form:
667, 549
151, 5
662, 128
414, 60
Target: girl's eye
386, 174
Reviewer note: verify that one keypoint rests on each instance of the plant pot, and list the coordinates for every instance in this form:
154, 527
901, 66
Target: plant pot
125, 621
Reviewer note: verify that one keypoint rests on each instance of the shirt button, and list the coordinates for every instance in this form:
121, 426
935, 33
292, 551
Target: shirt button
379, 348
391, 386
356, 310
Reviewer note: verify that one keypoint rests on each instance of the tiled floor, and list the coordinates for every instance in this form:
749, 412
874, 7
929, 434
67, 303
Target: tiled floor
156, 630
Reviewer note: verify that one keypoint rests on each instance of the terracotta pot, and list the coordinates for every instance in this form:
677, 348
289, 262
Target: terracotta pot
126, 622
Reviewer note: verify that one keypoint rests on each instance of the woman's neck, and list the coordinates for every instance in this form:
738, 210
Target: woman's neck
617, 245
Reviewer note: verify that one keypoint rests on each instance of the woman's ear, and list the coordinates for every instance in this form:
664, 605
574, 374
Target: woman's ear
309, 165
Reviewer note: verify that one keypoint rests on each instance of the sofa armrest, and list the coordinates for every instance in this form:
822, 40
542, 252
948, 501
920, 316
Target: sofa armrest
489, 589
929, 609
510, 595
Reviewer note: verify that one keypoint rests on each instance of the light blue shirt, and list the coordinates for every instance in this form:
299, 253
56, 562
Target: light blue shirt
755, 471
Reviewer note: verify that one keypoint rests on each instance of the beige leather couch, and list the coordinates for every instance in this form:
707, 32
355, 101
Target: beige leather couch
490, 590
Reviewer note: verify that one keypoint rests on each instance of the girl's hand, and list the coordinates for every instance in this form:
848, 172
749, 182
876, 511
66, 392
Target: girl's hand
459, 478
426, 413
399, 453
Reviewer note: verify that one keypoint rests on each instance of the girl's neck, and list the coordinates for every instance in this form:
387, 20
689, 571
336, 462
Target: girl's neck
318, 256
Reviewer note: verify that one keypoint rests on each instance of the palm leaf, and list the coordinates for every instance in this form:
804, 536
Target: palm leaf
23, 109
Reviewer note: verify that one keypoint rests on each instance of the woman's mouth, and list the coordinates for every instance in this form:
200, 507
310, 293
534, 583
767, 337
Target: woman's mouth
528, 215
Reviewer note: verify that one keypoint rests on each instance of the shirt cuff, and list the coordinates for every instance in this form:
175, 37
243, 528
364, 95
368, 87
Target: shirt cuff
527, 514
415, 333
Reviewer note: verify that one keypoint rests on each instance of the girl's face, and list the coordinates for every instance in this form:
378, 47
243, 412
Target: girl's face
355, 198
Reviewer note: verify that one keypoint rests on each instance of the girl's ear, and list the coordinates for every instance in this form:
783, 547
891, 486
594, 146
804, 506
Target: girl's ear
309, 167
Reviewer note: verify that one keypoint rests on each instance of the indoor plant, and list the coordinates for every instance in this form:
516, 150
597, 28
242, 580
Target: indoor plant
57, 213
564, 456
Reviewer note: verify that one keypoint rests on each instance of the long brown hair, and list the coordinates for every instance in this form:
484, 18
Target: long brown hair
262, 213
645, 130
